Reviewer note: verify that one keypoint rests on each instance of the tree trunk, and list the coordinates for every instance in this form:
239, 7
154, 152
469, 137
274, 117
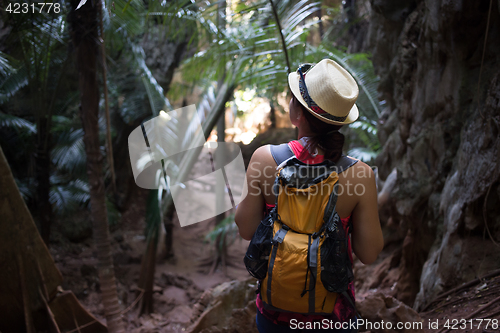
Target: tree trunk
168, 222
350, 9
220, 188
84, 23
321, 29
43, 178
147, 277
109, 142
272, 114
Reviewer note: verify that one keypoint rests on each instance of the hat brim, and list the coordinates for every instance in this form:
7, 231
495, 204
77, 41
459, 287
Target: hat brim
293, 82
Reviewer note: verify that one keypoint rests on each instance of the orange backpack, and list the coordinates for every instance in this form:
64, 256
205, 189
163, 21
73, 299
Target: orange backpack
300, 250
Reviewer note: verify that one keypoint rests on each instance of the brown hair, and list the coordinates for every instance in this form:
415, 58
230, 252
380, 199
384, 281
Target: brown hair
328, 137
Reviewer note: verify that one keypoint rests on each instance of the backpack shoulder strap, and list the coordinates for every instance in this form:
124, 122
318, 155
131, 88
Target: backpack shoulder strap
342, 165
281, 152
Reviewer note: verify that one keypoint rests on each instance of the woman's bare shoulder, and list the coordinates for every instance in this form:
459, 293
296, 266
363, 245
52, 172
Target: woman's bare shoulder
360, 171
262, 152
263, 155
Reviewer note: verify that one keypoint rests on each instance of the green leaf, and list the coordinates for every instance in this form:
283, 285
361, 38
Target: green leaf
7, 120
364, 154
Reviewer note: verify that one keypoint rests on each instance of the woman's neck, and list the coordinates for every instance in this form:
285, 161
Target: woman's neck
304, 142
304, 132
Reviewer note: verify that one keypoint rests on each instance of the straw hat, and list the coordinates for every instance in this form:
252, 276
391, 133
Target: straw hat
332, 91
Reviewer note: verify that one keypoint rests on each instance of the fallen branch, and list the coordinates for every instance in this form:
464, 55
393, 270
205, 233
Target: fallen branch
447, 303
487, 292
444, 329
494, 314
466, 285
482, 308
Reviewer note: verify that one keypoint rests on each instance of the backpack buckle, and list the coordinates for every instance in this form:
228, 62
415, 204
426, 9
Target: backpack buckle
280, 234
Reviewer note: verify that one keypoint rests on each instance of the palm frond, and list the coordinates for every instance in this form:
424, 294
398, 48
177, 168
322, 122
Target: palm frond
69, 152
369, 129
366, 125
255, 38
7, 120
226, 227
66, 197
194, 124
126, 18
155, 92
365, 141
362, 153
26, 188
5, 64
40, 44
11, 82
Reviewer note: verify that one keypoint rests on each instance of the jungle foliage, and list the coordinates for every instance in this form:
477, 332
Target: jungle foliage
223, 47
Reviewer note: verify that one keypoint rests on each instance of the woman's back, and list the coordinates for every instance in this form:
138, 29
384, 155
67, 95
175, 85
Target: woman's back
357, 197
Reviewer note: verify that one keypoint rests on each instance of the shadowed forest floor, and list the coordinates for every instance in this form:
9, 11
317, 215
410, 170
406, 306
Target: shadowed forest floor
179, 281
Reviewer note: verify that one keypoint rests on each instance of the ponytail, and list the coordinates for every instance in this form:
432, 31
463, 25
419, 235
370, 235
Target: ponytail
328, 138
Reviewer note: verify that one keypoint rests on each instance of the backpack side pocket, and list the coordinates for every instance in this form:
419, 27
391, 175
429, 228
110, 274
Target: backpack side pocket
257, 255
336, 267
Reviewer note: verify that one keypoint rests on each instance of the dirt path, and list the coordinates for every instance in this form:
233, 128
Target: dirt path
179, 281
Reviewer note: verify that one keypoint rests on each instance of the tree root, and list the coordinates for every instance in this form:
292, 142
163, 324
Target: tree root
483, 308
466, 285
473, 314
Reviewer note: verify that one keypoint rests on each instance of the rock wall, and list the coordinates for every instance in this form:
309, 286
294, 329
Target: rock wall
440, 133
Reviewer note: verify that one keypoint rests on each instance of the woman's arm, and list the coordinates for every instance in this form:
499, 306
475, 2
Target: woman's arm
250, 211
367, 239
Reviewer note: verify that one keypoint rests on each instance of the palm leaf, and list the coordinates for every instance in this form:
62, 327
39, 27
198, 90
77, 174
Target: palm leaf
11, 82
362, 153
69, 152
26, 188
155, 92
260, 44
226, 227
124, 18
7, 120
5, 64
66, 196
